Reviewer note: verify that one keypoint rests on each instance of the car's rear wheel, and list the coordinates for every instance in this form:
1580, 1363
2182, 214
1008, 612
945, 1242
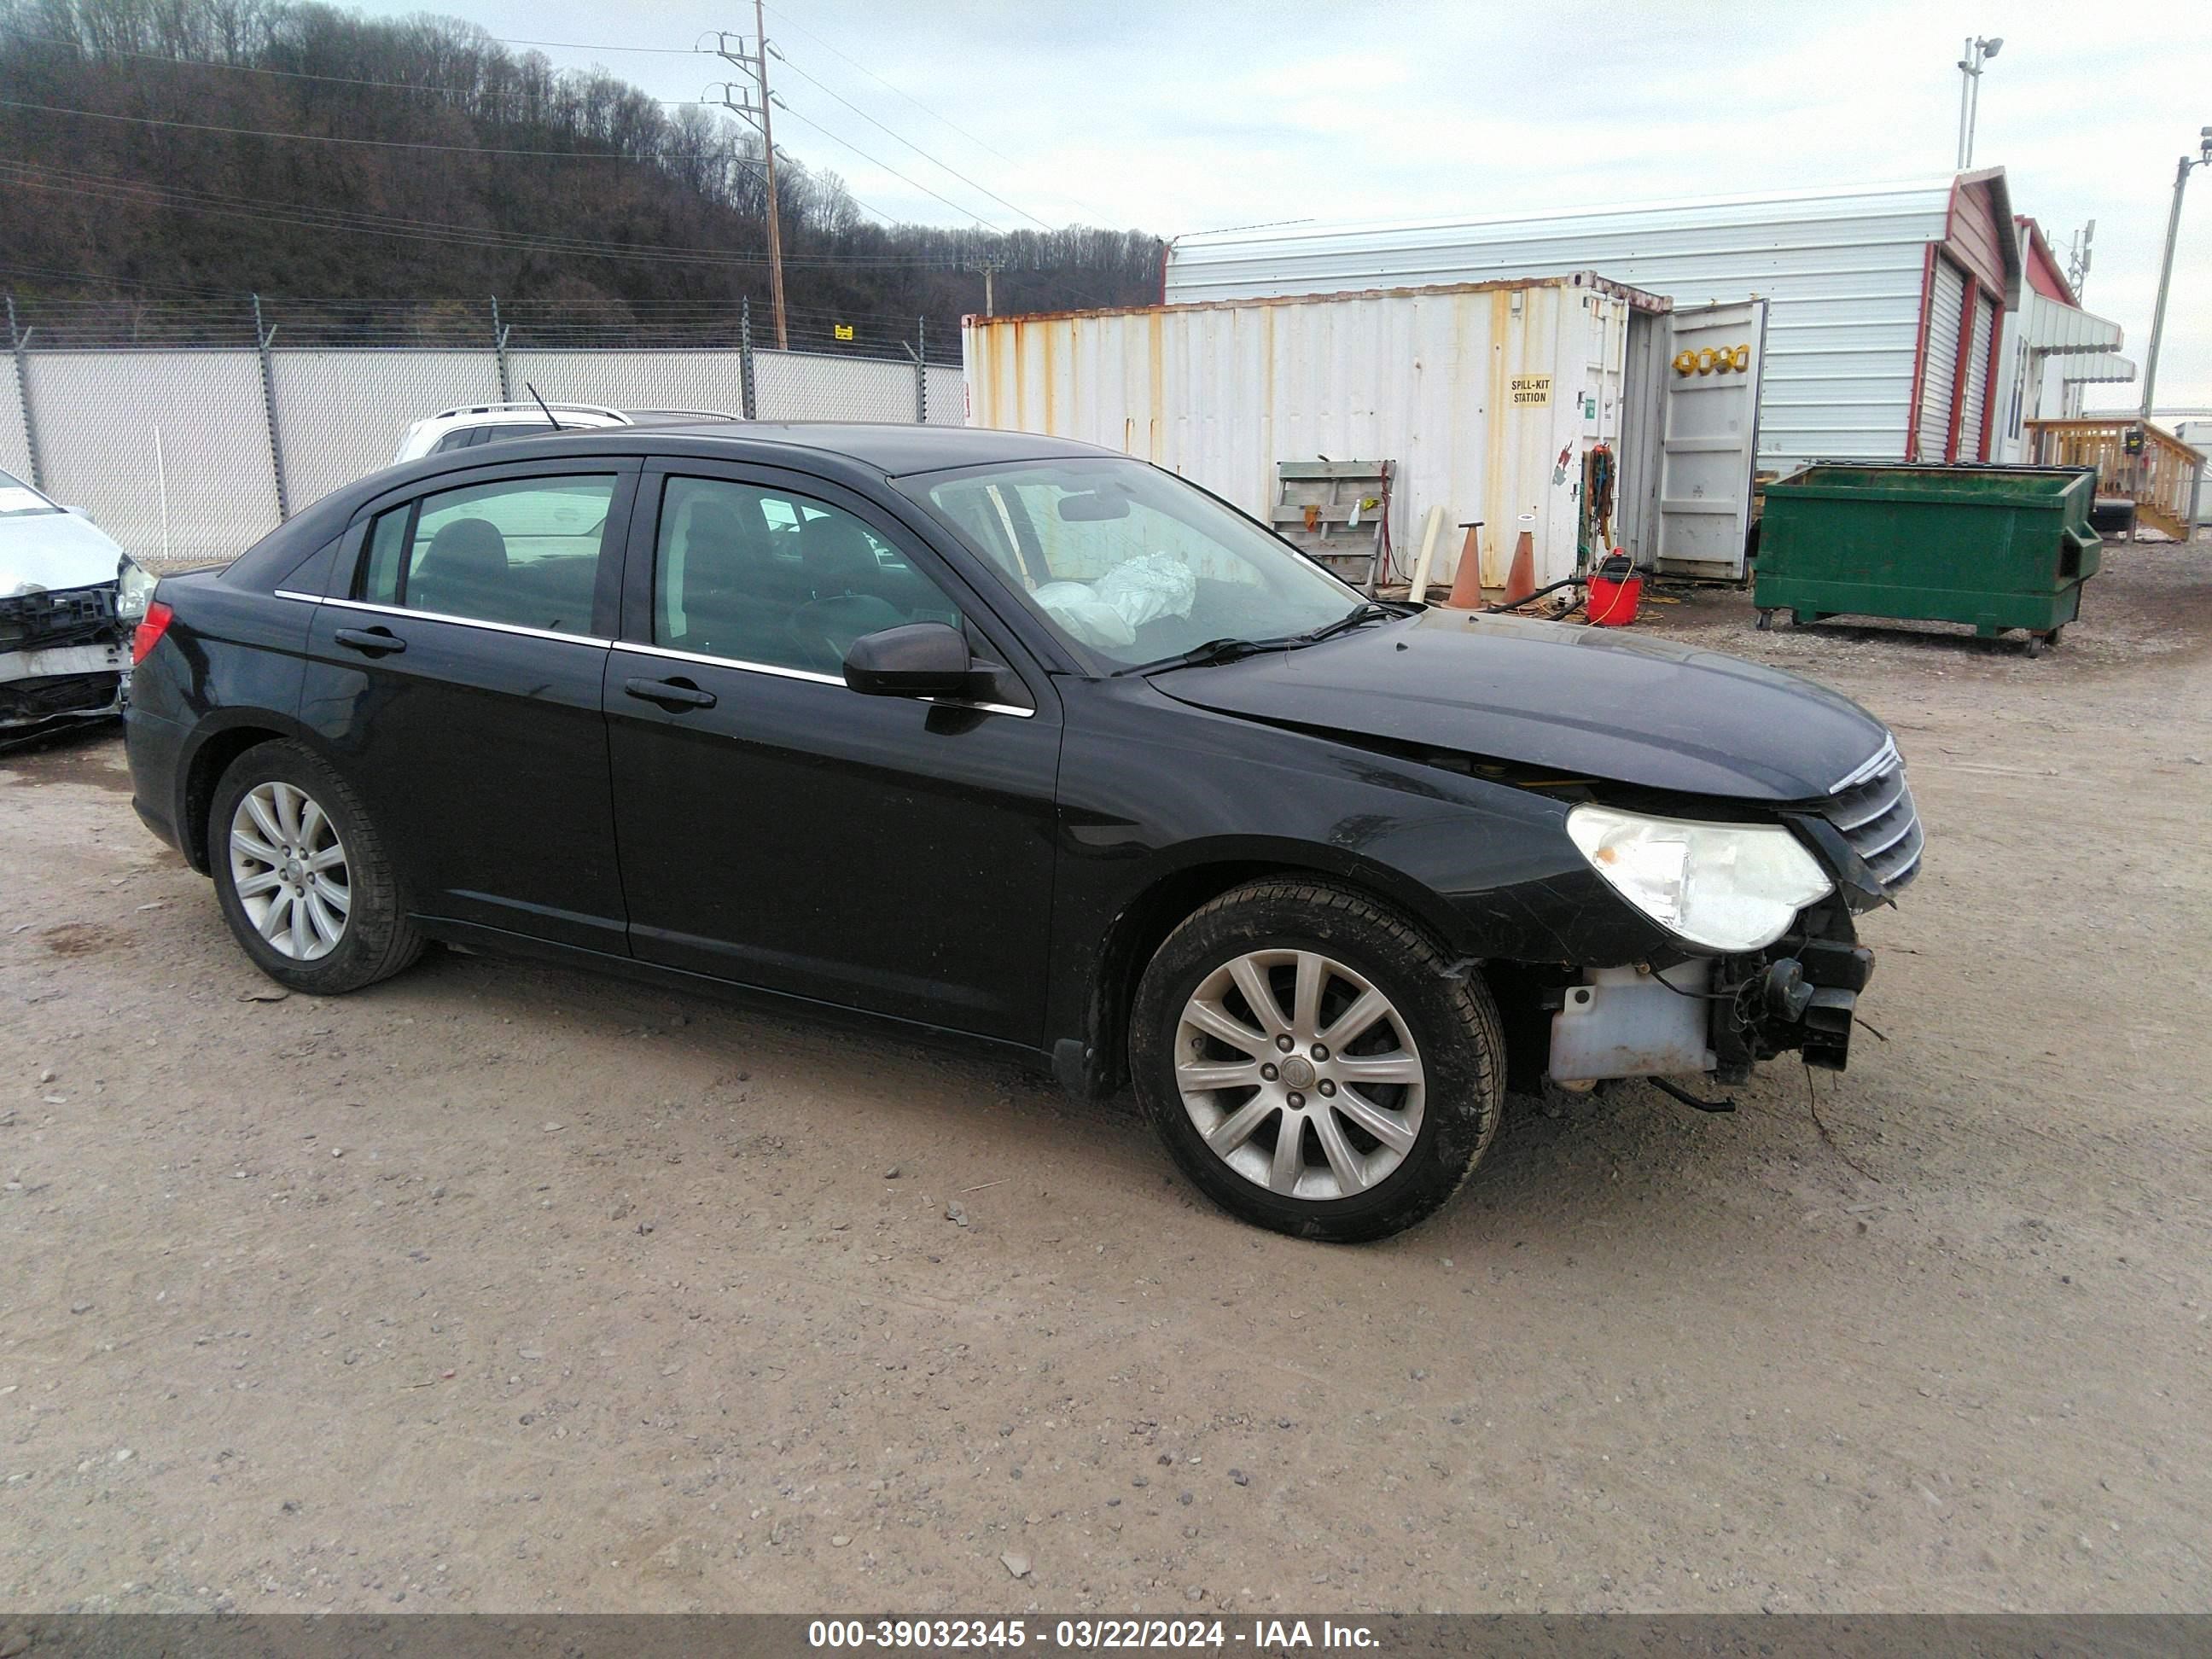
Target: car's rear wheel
302, 875
1313, 1062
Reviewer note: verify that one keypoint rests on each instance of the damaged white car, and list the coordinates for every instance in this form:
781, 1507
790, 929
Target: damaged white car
68, 599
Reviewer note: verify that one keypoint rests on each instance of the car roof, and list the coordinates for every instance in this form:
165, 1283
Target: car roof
891, 448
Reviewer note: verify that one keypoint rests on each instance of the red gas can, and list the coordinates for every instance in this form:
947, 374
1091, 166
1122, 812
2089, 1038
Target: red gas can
1614, 587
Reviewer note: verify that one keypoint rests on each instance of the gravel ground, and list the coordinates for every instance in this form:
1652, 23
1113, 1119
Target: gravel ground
500, 1287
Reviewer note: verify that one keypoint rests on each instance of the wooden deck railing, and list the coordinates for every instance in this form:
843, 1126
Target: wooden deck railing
2161, 480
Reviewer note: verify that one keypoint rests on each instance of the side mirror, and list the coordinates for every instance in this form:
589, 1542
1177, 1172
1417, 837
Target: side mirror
920, 659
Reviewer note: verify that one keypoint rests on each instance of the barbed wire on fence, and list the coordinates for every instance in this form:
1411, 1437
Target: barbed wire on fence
185, 321
189, 429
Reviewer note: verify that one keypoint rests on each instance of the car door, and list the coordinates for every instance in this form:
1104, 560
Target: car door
781, 831
455, 672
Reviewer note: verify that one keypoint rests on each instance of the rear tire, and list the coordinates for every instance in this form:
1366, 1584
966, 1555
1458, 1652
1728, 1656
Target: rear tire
302, 875
1387, 1096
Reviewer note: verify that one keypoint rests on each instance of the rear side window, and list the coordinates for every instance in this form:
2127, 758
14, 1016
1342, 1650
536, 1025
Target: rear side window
524, 551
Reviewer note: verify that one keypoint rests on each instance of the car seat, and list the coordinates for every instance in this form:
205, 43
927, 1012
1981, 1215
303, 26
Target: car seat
842, 575
736, 595
464, 572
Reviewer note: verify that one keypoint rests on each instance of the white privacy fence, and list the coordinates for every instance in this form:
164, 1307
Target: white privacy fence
191, 453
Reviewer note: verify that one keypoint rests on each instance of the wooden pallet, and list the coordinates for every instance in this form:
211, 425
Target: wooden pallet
1335, 511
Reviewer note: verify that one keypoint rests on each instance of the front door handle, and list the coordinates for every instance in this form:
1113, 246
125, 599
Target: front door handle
669, 694
376, 641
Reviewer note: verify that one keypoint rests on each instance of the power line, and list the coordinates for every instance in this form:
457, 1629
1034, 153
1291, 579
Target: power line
917, 102
20, 270
910, 144
100, 52
584, 46
112, 188
313, 137
879, 80
348, 80
887, 167
97, 53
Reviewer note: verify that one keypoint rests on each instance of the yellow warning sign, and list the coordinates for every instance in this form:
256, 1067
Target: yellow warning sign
1530, 390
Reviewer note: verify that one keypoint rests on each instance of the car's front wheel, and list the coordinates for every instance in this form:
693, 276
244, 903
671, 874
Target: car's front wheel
302, 875
1313, 1062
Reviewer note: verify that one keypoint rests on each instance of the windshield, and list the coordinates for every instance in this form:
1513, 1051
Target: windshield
1131, 564
18, 497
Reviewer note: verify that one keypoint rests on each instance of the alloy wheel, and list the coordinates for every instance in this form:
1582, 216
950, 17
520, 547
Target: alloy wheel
1299, 1074
288, 865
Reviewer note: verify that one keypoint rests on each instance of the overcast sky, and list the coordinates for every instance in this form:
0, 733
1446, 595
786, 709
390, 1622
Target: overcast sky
1172, 117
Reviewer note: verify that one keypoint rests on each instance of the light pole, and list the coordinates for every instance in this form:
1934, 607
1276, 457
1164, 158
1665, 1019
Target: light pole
1977, 52
2202, 158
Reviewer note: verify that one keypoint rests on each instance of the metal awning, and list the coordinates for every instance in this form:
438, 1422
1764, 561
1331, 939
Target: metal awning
2050, 328
2098, 368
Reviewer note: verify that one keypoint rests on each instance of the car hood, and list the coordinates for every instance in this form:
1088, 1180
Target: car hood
1593, 703
41, 552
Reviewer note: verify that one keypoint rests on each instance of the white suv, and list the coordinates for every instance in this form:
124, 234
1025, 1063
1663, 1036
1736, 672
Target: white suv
468, 424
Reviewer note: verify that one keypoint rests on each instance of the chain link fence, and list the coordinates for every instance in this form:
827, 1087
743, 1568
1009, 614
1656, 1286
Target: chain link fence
187, 432
15, 445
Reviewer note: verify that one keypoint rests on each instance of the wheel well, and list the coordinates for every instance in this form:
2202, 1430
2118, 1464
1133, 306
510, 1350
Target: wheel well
1131, 941
1138, 933
208, 764
1519, 989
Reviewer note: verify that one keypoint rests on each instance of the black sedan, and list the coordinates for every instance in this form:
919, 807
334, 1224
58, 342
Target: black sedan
1021, 741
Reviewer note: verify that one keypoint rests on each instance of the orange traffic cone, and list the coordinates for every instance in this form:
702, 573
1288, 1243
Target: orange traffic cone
1521, 579
1466, 580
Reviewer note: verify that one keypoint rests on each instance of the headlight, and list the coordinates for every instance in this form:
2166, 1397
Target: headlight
1725, 886
134, 587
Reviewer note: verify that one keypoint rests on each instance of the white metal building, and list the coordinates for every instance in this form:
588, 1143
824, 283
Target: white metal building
1885, 302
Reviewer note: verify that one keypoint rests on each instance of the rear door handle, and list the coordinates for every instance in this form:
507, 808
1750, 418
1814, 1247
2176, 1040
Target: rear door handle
376, 641
669, 694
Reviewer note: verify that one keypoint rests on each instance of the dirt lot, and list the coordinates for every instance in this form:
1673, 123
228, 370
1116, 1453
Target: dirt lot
505, 1288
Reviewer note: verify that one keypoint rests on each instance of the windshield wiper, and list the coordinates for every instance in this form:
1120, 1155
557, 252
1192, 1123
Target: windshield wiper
1366, 612
1213, 651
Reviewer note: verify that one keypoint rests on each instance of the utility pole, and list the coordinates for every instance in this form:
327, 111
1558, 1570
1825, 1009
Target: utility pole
2202, 158
757, 117
1977, 52
986, 266
2077, 258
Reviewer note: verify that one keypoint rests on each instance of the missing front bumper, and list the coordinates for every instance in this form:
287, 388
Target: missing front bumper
75, 682
1715, 1018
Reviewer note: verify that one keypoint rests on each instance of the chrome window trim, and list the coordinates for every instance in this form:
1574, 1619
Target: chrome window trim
440, 616
1013, 709
808, 674
780, 672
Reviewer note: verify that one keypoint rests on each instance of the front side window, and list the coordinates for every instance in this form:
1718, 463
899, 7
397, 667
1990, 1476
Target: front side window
782, 581
524, 551
1130, 563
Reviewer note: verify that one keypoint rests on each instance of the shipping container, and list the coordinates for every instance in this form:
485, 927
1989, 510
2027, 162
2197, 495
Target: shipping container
1883, 341
1576, 408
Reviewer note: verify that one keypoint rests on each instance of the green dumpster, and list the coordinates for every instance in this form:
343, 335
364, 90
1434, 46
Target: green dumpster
1994, 547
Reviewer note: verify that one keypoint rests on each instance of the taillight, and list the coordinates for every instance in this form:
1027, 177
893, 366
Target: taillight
151, 627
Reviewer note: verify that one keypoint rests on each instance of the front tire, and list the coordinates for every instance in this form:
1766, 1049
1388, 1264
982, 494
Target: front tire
1313, 1062
302, 875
